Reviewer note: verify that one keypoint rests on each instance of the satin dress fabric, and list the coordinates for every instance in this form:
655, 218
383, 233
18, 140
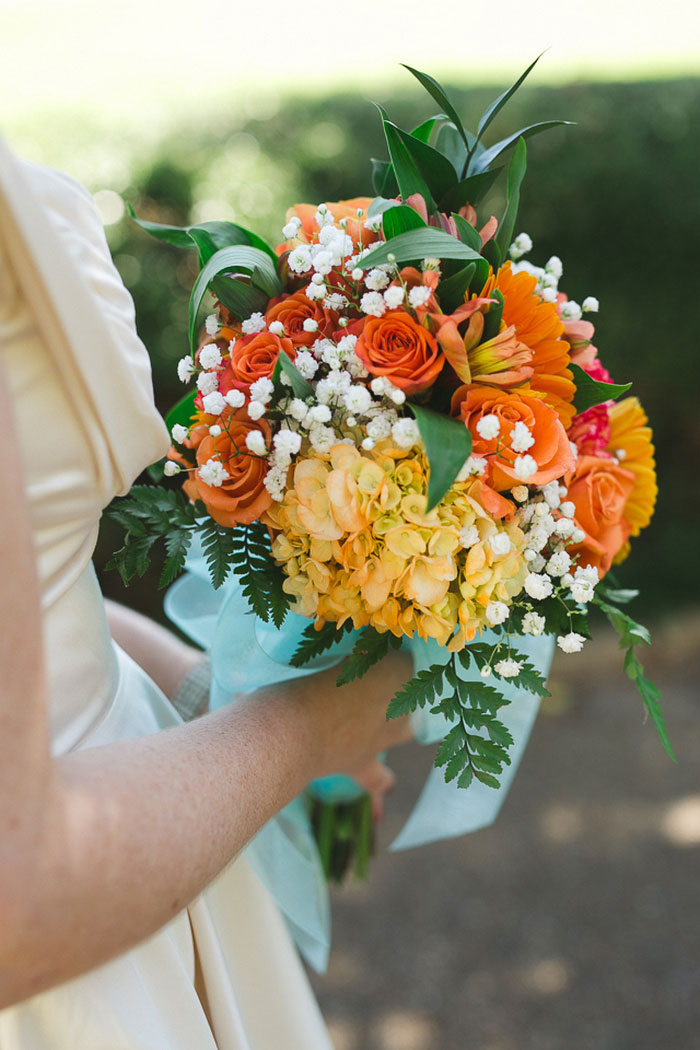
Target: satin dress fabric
223, 975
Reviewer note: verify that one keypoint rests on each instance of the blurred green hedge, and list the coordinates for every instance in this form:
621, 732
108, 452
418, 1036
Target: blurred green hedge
616, 197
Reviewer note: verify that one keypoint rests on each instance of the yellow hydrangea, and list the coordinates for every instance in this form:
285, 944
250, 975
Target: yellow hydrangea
355, 541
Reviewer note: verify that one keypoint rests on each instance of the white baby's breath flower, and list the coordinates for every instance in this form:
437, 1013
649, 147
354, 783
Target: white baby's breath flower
500, 543
211, 325
335, 301
405, 433
319, 414
508, 668
207, 382
235, 398
322, 438
488, 427
568, 509
472, 466
254, 323
376, 280
210, 356
521, 438
287, 441
298, 409
537, 586
373, 304
213, 473
180, 433
185, 368
419, 296
578, 536
564, 527
559, 563
170, 469
590, 305
554, 266
571, 643
485, 671
368, 444
496, 612
214, 404
277, 328
571, 311
299, 259
394, 296
292, 228
533, 624
262, 389
468, 536
256, 409
549, 295
215, 430
306, 364
315, 292
357, 399
524, 467
520, 246
323, 216
255, 442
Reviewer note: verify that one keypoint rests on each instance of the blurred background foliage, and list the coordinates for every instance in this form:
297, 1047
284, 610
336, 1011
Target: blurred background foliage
616, 197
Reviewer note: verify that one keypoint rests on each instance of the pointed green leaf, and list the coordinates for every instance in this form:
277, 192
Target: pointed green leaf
590, 392
467, 233
405, 168
381, 204
435, 168
448, 445
469, 191
425, 130
400, 220
453, 290
301, 387
438, 93
492, 320
483, 161
497, 105
417, 245
516, 174
182, 411
239, 258
207, 237
383, 178
241, 298
175, 235
451, 144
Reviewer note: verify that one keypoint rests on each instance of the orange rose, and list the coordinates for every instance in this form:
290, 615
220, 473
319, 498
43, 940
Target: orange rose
242, 497
550, 450
339, 210
600, 489
253, 357
292, 311
397, 347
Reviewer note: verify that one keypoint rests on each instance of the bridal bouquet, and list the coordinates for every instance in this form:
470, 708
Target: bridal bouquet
401, 427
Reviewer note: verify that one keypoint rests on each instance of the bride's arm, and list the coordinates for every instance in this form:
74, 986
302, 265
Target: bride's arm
100, 848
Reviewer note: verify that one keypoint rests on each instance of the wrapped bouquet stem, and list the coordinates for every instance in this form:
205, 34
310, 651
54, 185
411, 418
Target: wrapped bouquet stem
399, 432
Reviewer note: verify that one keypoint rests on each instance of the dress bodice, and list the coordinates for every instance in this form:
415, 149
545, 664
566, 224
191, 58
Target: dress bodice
85, 419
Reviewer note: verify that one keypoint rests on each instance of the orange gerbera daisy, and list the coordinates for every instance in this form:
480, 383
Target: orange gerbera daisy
631, 443
540, 328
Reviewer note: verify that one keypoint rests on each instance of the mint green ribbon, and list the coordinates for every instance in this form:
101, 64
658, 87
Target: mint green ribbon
247, 654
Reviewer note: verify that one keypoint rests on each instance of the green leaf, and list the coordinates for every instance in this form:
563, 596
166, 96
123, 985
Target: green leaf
177, 544
406, 170
497, 105
448, 445
590, 392
418, 691
487, 157
467, 233
651, 697
218, 545
454, 742
528, 678
417, 245
453, 290
434, 166
369, 649
425, 130
182, 411
492, 253
400, 220
381, 204
618, 596
631, 633
383, 178
242, 259
516, 174
469, 191
479, 696
456, 764
451, 144
492, 320
207, 237
241, 298
315, 642
438, 93
300, 386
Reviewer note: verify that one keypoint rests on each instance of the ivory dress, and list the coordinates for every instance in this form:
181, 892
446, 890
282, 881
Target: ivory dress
224, 974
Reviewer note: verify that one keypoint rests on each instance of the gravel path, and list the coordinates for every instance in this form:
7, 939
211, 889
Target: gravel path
572, 924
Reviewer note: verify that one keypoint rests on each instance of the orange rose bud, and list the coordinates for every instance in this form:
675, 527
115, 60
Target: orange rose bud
600, 489
395, 346
253, 357
292, 311
550, 448
242, 497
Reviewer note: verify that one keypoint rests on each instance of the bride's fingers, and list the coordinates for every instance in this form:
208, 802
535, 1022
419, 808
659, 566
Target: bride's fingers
377, 780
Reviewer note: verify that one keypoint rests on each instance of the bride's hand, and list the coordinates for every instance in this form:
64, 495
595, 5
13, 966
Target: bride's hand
352, 727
